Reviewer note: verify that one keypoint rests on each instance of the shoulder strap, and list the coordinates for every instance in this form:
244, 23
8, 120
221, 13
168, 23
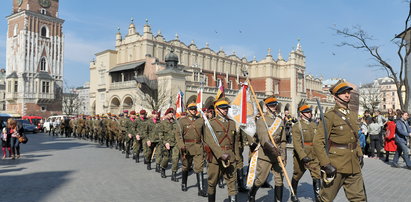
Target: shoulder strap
225, 131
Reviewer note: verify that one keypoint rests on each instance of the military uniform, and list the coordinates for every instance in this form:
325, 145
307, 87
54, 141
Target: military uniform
139, 145
154, 138
167, 130
189, 138
227, 148
80, 127
268, 154
304, 156
345, 155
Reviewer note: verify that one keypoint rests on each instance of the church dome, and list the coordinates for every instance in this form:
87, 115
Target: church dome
171, 57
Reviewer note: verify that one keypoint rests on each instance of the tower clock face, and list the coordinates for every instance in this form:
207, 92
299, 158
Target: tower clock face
45, 3
19, 2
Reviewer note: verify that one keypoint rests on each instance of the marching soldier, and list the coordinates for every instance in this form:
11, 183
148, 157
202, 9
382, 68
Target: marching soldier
267, 157
167, 137
224, 154
130, 130
152, 139
338, 149
304, 156
141, 133
189, 136
80, 126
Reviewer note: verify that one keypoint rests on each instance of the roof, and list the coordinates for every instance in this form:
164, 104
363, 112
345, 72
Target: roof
43, 75
127, 67
13, 75
401, 35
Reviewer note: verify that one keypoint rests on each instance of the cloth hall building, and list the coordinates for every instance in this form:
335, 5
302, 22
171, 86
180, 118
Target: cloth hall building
118, 77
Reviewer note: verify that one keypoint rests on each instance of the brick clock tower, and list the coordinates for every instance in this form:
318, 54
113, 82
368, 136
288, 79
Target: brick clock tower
34, 66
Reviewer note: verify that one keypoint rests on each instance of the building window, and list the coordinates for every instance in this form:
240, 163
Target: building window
45, 87
16, 28
230, 84
195, 76
9, 87
16, 86
393, 106
384, 107
217, 84
43, 64
393, 93
43, 11
44, 31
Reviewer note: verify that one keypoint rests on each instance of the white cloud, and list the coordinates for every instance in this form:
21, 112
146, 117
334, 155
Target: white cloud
82, 50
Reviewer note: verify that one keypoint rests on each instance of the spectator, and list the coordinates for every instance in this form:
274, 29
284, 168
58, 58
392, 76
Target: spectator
389, 138
403, 131
374, 130
15, 130
362, 134
5, 143
391, 113
367, 114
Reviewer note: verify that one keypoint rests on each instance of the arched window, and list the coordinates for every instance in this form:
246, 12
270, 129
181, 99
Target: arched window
16, 28
44, 31
43, 64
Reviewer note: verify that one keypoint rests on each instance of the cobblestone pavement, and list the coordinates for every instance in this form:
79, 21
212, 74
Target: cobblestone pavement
66, 169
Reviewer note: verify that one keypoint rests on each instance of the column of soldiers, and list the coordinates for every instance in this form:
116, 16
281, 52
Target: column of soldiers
210, 140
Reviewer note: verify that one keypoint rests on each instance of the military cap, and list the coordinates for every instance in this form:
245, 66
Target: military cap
133, 112
154, 112
271, 101
169, 110
109, 114
305, 109
125, 111
142, 112
204, 109
192, 106
222, 103
340, 87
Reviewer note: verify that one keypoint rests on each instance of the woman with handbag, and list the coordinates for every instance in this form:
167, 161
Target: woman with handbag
16, 131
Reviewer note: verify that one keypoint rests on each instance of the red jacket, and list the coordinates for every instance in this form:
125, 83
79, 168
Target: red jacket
390, 137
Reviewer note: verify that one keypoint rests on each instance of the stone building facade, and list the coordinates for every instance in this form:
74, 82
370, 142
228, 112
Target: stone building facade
117, 76
34, 66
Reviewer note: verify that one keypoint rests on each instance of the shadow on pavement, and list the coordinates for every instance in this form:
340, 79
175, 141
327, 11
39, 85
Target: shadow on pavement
32, 187
41, 142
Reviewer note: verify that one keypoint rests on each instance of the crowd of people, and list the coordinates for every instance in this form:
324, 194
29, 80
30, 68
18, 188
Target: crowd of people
387, 135
331, 149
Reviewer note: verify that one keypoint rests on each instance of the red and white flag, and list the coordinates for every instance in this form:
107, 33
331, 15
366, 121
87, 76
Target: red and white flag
179, 104
199, 100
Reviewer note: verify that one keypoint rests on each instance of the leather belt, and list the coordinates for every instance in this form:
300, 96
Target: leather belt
192, 141
344, 146
226, 147
308, 143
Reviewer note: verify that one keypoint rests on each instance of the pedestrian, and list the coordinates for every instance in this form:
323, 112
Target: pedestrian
15, 130
374, 130
304, 156
402, 131
389, 145
222, 155
268, 155
341, 163
5, 143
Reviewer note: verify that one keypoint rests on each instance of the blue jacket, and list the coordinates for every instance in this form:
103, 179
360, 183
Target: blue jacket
402, 131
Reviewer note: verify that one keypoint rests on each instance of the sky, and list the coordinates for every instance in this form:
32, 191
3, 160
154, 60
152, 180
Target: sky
247, 27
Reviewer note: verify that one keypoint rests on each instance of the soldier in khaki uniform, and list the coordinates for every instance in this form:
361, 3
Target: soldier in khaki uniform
225, 152
141, 133
130, 131
80, 126
304, 156
167, 131
152, 139
344, 157
189, 136
267, 156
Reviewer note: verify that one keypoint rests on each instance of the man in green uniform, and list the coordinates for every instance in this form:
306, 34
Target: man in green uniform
80, 126
141, 133
152, 139
267, 156
341, 157
168, 142
223, 143
130, 131
304, 156
189, 136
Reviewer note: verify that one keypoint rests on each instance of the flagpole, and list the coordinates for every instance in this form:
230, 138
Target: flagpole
272, 139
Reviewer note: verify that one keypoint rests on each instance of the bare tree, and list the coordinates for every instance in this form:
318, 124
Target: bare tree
370, 97
361, 40
71, 103
153, 97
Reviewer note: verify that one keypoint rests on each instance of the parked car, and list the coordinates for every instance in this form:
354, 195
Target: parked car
35, 120
27, 126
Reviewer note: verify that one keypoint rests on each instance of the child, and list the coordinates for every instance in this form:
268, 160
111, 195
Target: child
5, 142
